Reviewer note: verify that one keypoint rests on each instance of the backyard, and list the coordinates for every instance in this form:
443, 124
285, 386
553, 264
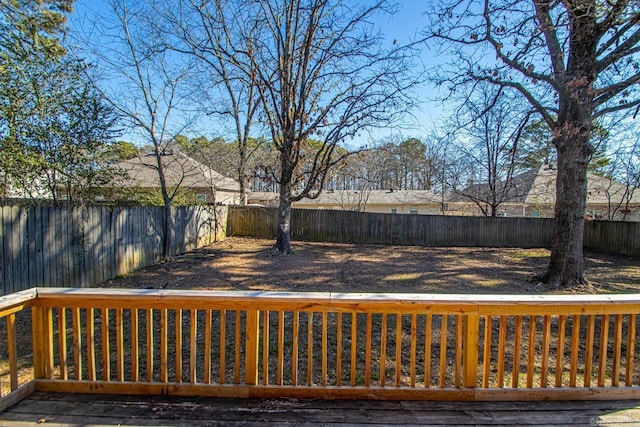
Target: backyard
251, 264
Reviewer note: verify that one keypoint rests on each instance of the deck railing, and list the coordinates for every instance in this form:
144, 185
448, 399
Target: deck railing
321, 345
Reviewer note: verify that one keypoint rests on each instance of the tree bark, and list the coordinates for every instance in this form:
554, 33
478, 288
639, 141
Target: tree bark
283, 241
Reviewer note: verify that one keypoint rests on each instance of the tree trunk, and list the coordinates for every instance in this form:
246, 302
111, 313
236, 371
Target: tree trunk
168, 230
566, 266
283, 241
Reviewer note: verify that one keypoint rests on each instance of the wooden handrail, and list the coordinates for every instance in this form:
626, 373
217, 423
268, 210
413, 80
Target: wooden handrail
334, 345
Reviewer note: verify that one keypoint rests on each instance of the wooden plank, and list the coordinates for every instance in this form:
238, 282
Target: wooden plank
383, 350
106, 350
502, 343
427, 350
486, 359
367, 352
135, 342
443, 349
149, 347
562, 326
617, 351
413, 349
252, 338
164, 346
62, 342
531, 356
310, 348
546, 342
398, 354
323, 345
631, 344
119, 345
238, 344
603, 344
178, 344
13, 351
77, 343
223, 345
294, 348
91, 345
575, 342
339, 349
517, 342
265, 347
588, 358
193, 340
354, 354
280, 372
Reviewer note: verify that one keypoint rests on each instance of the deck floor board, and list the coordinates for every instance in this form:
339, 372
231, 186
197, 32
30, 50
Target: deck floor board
66, 410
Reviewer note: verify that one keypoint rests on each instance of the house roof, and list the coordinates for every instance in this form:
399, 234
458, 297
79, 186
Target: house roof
374, 197
538, 187
180, 170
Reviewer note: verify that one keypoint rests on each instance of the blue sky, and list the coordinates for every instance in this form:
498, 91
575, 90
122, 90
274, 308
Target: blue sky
404, 26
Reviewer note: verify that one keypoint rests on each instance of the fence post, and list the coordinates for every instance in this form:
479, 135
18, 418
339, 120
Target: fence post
251, 349
470, 349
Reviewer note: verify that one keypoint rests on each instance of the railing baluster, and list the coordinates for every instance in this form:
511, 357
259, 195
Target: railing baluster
223, 345
265, 347
339, 349
106, 368
588, 363
207, 346
531, 356
546, 343
427, 349
617, 351
13, 351
383, 350
91, 345
193, 345
470, 348
164, 345
324, 349
149, 349
631, 343
354, 354
178, 324
575, 345
367, 352
237, 347
310, 348
413, 350
604, 343
119, 345
294, 349
280, 371
459, 356
486, 358
502, 343
62, 342
77, 343
562, 327
135, 342
517, 342
443, 350
398, 349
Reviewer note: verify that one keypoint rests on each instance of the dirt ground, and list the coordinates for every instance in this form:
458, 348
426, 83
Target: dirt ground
252, 264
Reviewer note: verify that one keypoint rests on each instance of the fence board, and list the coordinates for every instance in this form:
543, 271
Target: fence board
427, 230
77, 247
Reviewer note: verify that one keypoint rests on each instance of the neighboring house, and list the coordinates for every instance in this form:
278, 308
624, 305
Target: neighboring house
533, 194
183, 172
422, 202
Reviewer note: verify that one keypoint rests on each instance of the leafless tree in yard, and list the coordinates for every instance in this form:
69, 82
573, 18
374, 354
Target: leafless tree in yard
143, 83
572, 61
323, 74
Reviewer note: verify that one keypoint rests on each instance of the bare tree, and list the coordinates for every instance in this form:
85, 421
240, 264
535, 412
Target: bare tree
572, 61
143, 82
491, 127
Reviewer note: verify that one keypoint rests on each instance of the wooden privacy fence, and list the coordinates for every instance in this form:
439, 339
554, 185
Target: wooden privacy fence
427, 230
84, 246
321, 345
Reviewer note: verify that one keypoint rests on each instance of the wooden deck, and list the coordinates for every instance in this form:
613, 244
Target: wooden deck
68, 410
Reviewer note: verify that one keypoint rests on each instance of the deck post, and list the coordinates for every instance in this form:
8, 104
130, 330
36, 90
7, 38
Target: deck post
38, 331
251, 349
470, 350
